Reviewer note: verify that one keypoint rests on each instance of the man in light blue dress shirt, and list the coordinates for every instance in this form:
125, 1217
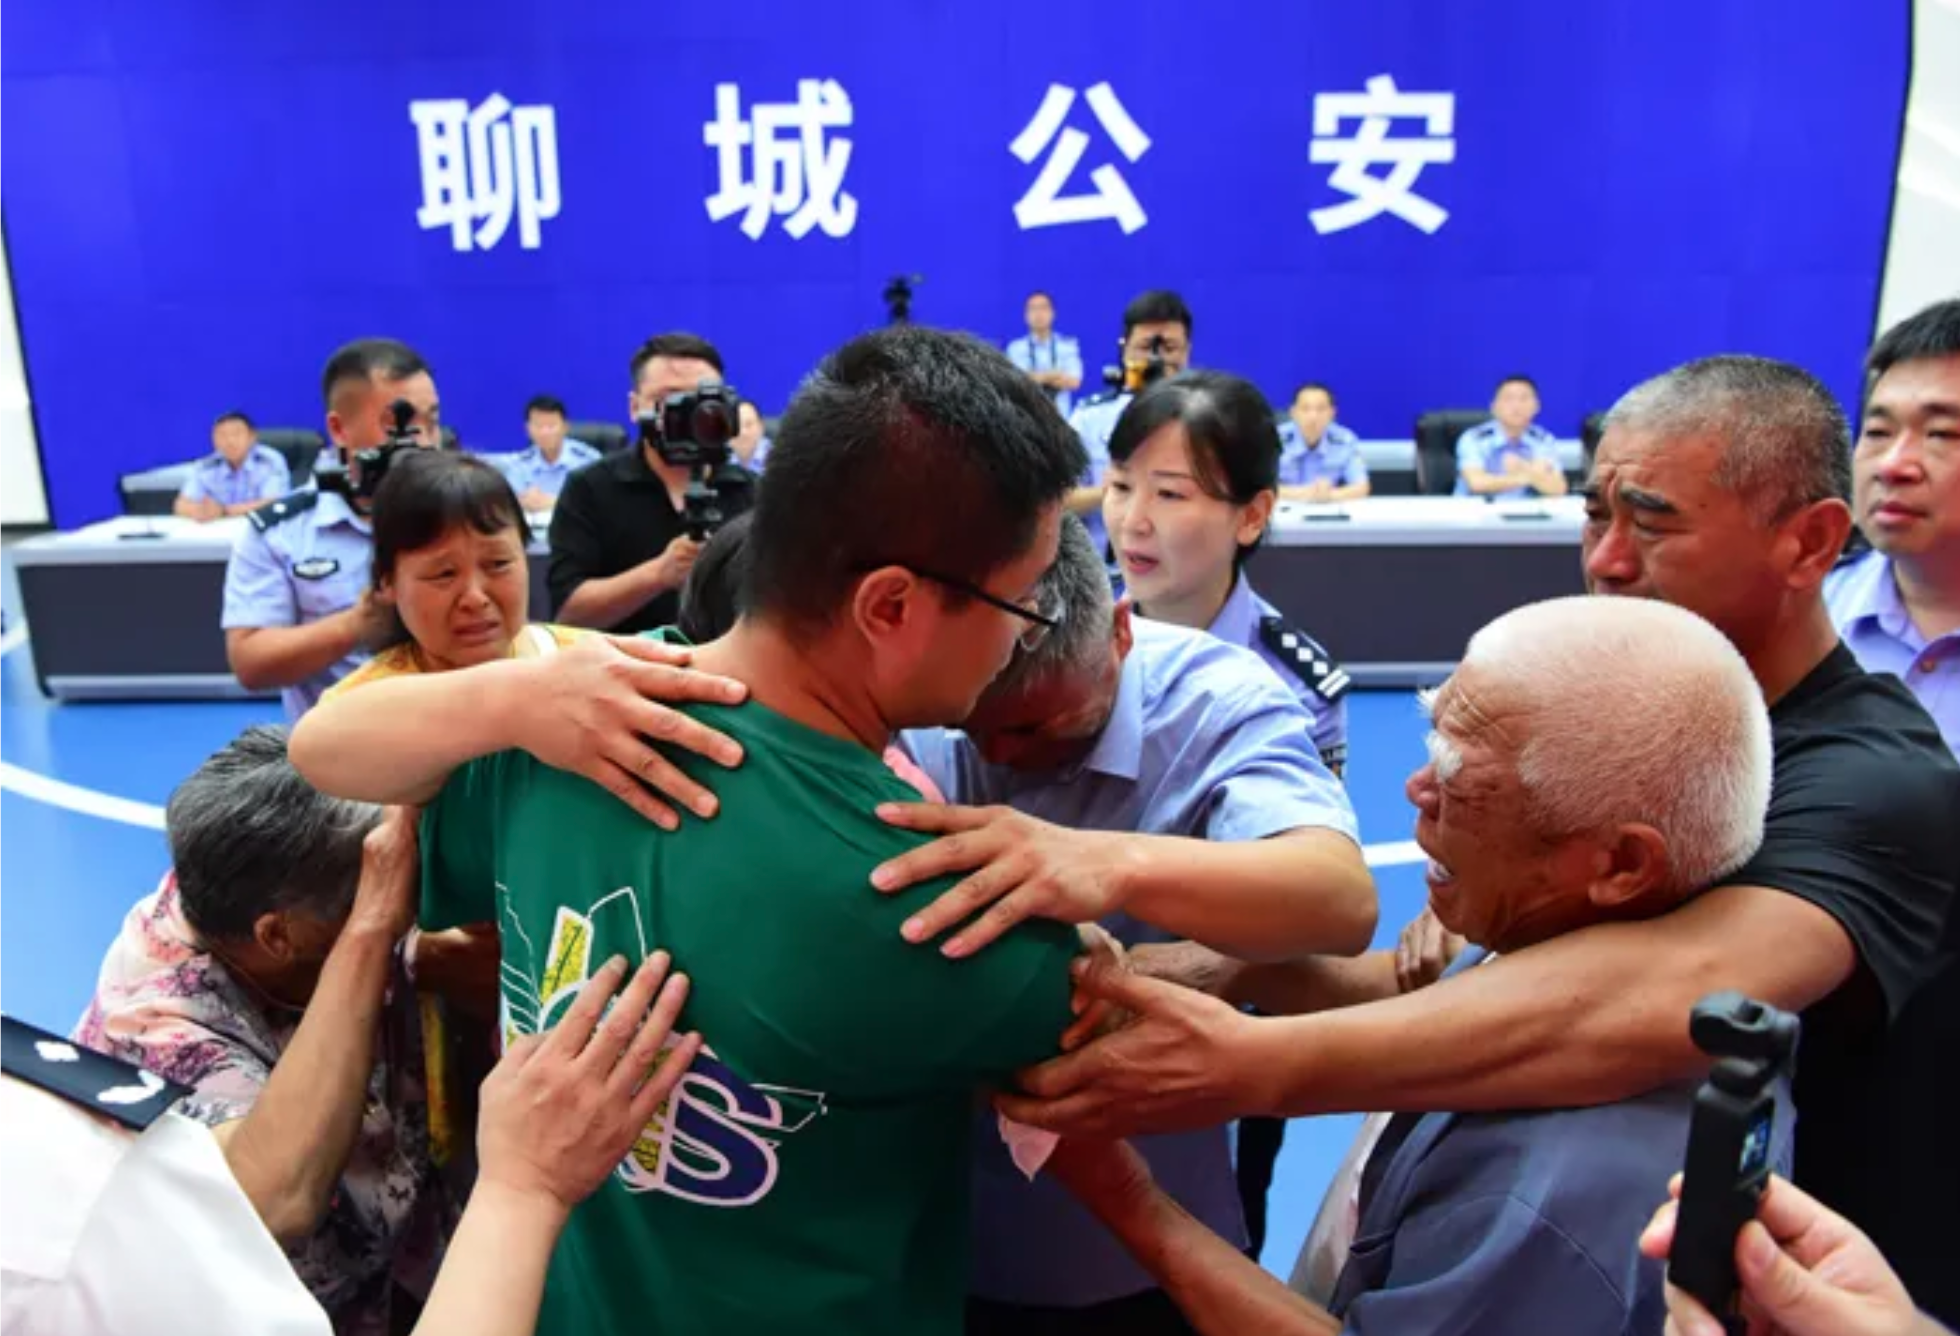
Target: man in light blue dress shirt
1156, 342
297, 613
1898, 605
1510, 457
239, 476
1141, 729
1054, 360
1319, 459
537, 474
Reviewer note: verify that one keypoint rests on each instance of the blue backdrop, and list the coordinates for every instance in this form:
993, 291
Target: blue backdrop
203, 198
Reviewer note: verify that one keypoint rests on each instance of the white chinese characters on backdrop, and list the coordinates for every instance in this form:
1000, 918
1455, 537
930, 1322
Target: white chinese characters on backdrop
1370, 195
481, 166
795, 167
1044, 205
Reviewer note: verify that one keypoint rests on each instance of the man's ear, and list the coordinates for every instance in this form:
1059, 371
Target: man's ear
1817, 533
337, 430
1123, 631
1637, 866
886, 603
273, 935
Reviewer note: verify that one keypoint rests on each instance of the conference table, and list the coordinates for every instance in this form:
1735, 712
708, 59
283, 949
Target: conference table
1393, 586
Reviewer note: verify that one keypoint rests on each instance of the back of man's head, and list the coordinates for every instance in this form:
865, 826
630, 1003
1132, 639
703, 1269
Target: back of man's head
1634, 711
908, 447
1786, 444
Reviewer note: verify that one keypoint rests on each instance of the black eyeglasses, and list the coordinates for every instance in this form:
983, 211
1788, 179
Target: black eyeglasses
1047, 613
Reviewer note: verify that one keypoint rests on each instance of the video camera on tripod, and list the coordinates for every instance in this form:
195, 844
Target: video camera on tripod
693, 431
1132, 377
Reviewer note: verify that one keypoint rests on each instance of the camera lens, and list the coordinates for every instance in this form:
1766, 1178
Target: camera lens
714, 423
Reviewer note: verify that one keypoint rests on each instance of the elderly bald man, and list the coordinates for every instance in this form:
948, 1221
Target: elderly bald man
1541, 815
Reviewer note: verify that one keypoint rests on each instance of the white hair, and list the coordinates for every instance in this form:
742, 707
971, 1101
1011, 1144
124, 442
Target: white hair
1639, 711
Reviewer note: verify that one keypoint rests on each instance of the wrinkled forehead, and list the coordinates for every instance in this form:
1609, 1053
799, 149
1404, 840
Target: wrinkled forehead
1680, 469
1477, 705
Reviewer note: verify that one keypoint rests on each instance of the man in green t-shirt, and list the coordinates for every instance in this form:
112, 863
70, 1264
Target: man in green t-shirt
811, 1172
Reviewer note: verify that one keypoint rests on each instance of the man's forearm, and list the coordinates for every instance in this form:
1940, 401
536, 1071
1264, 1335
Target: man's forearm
1354, 491
1552, 483
1313, 983
282, 656
606, 602
397, 740
1272, 899
1481, 483
291, 1149
1220, 1290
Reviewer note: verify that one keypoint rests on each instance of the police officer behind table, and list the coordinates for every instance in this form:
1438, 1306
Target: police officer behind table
1053, 360
620, 549
538, 473
125, 1220
297, 613
1510, 457
1156, 343
240, 474
1319, 459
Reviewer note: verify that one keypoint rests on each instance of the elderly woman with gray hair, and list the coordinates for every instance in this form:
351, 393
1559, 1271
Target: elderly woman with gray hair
266, 973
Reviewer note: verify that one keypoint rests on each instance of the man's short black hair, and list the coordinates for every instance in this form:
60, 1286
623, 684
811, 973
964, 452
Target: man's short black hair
908, 447
1933, 332
544, 403
233, 416
675, 345
711, 600
1313, 385
1157, 308
1525, 381
369, 359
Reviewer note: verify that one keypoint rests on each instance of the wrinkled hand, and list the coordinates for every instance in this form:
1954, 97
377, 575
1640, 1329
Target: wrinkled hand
1425, 950
1186, 964
389, 891
596, 707
1105, 1174
1094, 1015
673, 565
562, 1109
373, 618
1021, 867
461, 966
1803, 1270
1185, 1061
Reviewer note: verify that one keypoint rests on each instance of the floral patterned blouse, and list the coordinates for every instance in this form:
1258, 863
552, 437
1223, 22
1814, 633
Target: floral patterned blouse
165, 1003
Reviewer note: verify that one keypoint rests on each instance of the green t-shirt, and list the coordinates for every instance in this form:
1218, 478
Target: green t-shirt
811, 1172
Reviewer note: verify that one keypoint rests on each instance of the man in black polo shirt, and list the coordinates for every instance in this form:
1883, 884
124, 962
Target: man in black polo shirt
619, 546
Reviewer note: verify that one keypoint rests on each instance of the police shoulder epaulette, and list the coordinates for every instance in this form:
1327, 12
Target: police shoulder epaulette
1308, 659
101, 1084
287, 506
1105, 397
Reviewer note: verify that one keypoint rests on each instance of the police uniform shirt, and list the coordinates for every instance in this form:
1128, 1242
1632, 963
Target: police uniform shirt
123, 1217
261, 476
1095, 423
1335, 459
1057, 352
1308, 670
304, 557
1486, 447
528, 468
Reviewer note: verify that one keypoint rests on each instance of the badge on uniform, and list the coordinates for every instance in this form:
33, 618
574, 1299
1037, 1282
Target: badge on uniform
315, 568
101, 1084
1306, 657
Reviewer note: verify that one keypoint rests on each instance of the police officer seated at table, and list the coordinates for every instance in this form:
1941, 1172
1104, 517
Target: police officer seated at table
751, 444
1510, 457
297, 614
537, 474
1053, 360
1319, 459
620, 549
239, 476
1156, 343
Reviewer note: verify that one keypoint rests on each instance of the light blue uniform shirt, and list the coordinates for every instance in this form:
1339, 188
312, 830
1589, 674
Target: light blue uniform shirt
300, 559
1335, 459
1486, 447
261, 476
529, 468
1095, 423
1871, 617
1057, 352
1305, 667
760, 457
1203, 743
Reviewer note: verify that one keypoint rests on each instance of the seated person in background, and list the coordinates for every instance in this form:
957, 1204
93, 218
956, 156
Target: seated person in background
811, 1174
538, 474
620, 549
1511, 457
1053, 360
1540, 815
1319, 459
265, 974
241, 476
751, 446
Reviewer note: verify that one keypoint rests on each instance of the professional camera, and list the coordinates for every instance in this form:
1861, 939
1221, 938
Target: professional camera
898, 297
693, 431
375, 459
1729, 1139
1132, 377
